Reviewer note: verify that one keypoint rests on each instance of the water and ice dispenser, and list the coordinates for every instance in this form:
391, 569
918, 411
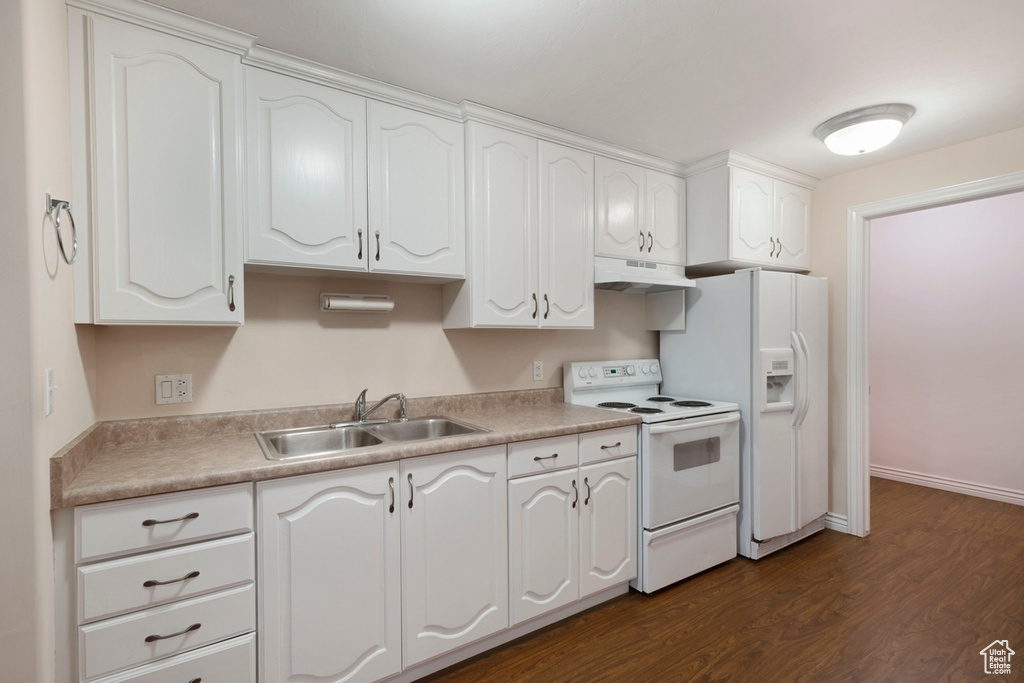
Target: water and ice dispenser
776, 379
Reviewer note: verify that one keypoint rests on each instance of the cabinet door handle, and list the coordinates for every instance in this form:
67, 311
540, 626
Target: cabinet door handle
360, 254
231, 293
779, 241
641, 241
586, 482
614, 445
538, 458
154, 522
411, 490
771, 254
536, 306
650, 241
577, 498
391, 485
377, 233
151, 582
547, 307
193, 627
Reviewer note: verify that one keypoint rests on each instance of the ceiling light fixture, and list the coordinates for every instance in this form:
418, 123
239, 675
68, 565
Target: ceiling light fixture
864, 130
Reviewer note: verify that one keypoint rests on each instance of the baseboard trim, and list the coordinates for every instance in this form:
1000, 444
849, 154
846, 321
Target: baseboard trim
967, 488
837, 522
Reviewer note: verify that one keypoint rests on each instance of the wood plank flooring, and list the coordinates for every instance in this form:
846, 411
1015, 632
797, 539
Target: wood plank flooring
939, 578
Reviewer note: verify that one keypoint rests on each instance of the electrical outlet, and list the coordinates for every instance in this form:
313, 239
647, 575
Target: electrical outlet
538, 371
173, 389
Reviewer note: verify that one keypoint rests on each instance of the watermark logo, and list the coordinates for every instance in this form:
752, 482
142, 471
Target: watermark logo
997, 657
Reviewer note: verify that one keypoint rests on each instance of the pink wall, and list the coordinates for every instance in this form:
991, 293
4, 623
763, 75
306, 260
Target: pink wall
947, 347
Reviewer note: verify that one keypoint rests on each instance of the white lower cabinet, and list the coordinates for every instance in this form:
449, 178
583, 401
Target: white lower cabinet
572, 531
335, 602
164, 588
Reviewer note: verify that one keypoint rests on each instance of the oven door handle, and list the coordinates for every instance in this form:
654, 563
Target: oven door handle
670, 427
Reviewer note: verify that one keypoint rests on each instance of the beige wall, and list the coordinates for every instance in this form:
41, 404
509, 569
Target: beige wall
37, 333
975, 160
288, 353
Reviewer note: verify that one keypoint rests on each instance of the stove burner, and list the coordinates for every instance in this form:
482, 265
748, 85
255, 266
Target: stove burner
616, 404
661, 399
692, 404
647, 411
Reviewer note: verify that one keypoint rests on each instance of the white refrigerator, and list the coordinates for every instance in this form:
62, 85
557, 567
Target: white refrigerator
760, 339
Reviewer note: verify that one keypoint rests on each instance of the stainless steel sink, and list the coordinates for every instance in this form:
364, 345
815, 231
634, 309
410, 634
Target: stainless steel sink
285, 444
328, 440
420, 428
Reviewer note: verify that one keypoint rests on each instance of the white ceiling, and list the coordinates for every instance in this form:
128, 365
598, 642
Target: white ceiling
680, 79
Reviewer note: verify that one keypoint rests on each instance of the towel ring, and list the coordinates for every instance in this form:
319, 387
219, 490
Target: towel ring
54, 207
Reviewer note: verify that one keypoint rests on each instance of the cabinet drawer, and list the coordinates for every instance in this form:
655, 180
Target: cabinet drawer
118, 586
542, 455
122, 527
607, 444
119, 643
233, 661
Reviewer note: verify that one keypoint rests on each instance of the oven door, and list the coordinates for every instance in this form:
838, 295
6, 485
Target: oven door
688, 467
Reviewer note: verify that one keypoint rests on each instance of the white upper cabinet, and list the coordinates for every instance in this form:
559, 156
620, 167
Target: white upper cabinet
531, 235
417, 185
307, 174
158, 168
340, 182
739, 217
641, 213
566, 255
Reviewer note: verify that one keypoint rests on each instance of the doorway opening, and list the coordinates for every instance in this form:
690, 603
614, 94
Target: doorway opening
857, 342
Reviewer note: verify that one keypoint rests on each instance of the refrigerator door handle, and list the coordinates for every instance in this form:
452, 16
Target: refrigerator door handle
802, 364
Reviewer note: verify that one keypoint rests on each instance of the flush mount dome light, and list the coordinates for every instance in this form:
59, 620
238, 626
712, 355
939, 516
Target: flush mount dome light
864, 130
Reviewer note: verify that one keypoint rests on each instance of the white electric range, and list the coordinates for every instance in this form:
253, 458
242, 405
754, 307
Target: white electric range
688, 467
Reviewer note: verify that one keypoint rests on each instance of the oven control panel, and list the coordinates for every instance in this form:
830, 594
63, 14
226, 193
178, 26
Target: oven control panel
612, 373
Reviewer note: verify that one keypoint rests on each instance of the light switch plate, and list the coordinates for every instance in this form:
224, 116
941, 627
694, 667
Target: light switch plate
173, 389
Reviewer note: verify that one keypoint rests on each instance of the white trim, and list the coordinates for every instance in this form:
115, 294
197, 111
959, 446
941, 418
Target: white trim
858, 432
740, 160
968, 488
837, 522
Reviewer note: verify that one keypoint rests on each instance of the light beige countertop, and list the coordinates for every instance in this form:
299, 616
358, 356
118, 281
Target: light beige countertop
126, 459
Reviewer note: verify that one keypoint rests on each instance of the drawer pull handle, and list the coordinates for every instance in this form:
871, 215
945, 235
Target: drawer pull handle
538, 458
197, 680
153, 522
193, 627
151, 582
614, 445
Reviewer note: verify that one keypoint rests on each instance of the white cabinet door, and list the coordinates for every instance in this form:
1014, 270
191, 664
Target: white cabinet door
793, 225
503, 201
307, 174
608, 524
417, 184
666, 218
621, 219
330, 576
455, 544
566, 237
167, 232
752, 217
543, 543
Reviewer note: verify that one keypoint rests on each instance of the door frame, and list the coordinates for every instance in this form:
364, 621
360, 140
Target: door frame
858, 284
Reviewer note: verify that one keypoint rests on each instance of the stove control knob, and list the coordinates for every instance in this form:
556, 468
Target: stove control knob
645, 368
582, 372
630, 370
654, 368
592, 372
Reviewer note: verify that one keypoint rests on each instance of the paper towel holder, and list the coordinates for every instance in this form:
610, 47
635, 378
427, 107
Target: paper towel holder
355, 303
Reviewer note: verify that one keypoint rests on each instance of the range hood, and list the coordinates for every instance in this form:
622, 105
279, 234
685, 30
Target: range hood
638, 277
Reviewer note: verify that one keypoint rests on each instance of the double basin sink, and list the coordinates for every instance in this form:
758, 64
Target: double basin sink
345, 437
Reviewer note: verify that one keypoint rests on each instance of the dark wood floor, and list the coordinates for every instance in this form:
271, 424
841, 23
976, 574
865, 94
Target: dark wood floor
939, 578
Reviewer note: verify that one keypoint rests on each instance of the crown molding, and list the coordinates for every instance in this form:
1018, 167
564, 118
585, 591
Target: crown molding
739, 160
